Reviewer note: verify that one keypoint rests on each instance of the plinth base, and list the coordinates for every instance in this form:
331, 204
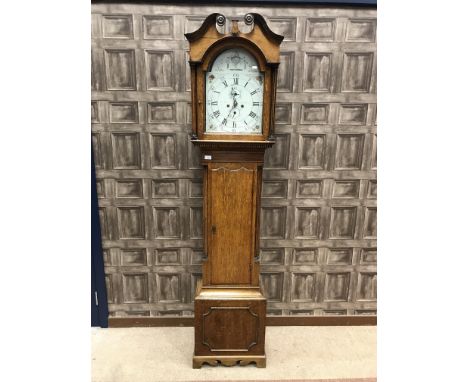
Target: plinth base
229, 326
198, 361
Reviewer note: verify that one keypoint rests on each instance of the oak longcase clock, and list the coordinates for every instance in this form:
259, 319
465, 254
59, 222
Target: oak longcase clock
233, 81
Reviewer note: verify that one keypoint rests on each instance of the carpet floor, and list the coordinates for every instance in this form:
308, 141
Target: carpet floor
294, 353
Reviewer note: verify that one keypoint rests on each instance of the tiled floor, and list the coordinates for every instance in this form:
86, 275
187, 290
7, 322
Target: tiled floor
293, 352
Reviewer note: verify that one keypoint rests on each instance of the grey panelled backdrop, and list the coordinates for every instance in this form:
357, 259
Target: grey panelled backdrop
318, 213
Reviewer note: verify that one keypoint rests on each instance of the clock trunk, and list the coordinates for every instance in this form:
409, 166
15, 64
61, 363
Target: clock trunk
233, 199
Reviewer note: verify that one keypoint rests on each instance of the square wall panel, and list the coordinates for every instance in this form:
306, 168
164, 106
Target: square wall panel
312, 151
272, 256
126, 150
309, 188
307, 222
357, 71
166, 222
123, 112
117, 26
314, 114
320, 29
131, 222
165, 188
161, 112
275, 189
346, 189
340, 256
163, 151
343, 222
168, 256
160, 70
305, 256
337, 286
349, 151
158, 27
273, 222
169, 287
133, 257
317, 72
129, 188
353, 114
303, 287
361, 30
135, 287
120, 69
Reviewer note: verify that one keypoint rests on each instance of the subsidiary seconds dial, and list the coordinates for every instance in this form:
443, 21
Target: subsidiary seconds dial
234, 94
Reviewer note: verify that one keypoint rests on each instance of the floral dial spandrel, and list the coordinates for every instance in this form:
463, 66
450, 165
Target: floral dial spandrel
234, 94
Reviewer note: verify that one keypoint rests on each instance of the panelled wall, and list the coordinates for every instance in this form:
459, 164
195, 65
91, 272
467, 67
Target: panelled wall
318, 216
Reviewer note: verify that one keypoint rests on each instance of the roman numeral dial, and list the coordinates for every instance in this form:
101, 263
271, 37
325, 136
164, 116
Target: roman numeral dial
234, 94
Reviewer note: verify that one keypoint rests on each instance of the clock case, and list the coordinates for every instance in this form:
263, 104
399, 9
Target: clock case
230, 308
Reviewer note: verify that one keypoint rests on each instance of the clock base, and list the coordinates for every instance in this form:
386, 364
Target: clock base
229, 326
198, 361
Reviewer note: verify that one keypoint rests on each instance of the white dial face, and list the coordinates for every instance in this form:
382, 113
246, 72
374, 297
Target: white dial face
234, 94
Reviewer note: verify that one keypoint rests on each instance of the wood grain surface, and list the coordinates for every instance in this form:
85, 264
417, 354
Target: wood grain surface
231, 222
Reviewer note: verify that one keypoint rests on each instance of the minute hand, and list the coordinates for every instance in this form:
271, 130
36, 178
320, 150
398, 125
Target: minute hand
234, 95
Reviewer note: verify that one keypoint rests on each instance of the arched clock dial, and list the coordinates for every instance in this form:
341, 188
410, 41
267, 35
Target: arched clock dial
234, 94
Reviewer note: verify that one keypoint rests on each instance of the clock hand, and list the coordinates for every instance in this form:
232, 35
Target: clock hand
234, 103
233, 98
233, 93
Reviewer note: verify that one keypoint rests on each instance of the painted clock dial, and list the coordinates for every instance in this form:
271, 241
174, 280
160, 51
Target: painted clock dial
234, 94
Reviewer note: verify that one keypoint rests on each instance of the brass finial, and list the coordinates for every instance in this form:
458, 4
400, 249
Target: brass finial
248, 19
220, 20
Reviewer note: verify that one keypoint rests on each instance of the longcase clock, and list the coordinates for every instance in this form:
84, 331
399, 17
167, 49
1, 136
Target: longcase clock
233, 80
